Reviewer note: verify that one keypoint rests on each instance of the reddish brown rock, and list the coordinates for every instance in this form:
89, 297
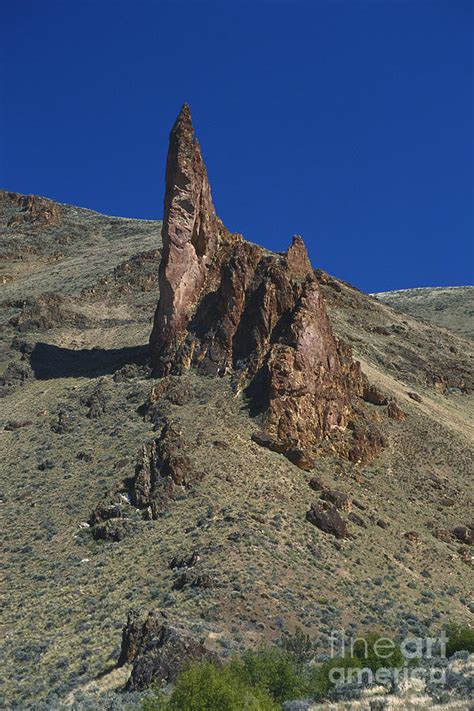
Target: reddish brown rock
191, 236
358, 520
300, 458
310, 379
367, 442
228, 306
317, 485
394, 412
33, 209
373, 395
442, 534
414, 396
137, 634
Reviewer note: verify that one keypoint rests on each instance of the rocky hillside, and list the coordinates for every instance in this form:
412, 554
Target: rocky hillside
242, 476
448, 307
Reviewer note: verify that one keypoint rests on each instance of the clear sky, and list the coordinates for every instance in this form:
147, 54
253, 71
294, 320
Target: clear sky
348, 122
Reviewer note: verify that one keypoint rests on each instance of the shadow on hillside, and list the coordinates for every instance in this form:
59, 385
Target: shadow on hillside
49, 361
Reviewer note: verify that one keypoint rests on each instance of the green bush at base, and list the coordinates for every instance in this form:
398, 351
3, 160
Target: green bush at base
206, 687
460, 639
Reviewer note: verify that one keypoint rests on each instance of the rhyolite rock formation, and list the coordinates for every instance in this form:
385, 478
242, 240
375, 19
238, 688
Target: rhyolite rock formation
32, 209
162, 472
230, 307
158, 650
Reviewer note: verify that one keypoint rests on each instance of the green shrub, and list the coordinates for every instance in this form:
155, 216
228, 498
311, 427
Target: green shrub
206, 687
320, 684
364, 649
273, 670
300, 646
460, 638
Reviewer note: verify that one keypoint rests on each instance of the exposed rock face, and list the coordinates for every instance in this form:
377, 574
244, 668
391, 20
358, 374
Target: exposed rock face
162, 471
137, 634
191, 235
112, 520
228, 306
310, 379
158, 650
33, 209
367, 442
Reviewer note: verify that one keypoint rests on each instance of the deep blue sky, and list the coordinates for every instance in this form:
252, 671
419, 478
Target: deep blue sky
348, 122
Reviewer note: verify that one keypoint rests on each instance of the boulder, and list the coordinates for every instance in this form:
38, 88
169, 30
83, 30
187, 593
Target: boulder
413, 537
317, 485
338, 499
137, 634
358, 520
327, 519
394, 412
465, 534
33, 209
187, 561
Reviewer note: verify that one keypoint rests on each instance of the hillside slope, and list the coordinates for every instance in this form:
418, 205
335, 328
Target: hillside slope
79, 294
448, 307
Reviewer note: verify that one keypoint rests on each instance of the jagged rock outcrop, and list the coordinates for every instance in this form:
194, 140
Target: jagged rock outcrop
158, 650
191, 236
228, 306
33, 209
163, 471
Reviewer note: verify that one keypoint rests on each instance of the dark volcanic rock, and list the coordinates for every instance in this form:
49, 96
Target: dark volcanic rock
187, 561
338, 499
163, 471
358, 520
13, 425
137, 634
228, 306
317, 485
328, 519
115, 529
158, 650
104, 512
465, 534
202, 580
